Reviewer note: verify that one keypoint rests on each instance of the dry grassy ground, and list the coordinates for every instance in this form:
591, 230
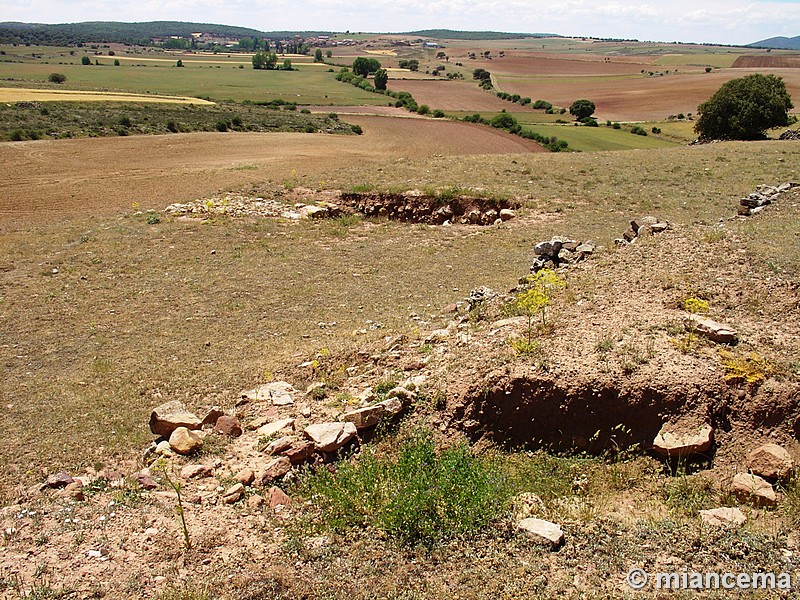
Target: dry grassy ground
106, 311
133, 305
50, 179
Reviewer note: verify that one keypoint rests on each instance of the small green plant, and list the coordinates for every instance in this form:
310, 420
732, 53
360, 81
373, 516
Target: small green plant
521, 346
420, 497
687, 495
791, 501
535, 300
175, 484
153, 218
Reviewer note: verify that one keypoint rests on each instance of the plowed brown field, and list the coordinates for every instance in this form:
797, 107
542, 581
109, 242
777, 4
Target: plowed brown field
53, 179
451, 95
553, 64
767, 62
639, 98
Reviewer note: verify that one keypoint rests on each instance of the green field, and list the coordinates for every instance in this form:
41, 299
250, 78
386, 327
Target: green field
595, 139
310, 84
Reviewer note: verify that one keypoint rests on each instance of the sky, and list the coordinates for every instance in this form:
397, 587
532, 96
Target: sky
715, 21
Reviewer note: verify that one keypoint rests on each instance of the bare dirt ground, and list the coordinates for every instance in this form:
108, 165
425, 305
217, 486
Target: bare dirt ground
640, 98
525, 63
451, 95
104, 176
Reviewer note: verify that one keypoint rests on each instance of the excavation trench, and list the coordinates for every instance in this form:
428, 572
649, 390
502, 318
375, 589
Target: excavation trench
417, 207
529, 411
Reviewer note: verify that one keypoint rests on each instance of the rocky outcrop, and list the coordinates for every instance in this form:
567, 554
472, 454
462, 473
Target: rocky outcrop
418, 207
764, 196
716, 332
329, 437
753, 489
558, 252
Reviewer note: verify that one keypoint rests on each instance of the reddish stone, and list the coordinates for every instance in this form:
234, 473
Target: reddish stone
275, 470
299, 451
146, 482
227, 425
277, 497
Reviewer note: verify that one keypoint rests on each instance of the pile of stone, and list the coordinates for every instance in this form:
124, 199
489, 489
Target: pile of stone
559, 252
418, 207
763, 196
248, 206
268, 448
640, 227
792, 135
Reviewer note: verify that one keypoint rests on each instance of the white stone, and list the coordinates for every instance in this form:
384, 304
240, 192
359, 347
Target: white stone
723, 516
329, 437
541, 531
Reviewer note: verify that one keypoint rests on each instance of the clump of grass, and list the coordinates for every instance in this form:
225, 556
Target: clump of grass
791, 501
687, 495
419, 497
750, 369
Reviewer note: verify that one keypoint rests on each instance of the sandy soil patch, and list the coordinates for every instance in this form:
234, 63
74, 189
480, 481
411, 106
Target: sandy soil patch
33, 95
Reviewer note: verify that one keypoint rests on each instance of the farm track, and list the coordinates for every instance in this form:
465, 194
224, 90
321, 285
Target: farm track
56, 179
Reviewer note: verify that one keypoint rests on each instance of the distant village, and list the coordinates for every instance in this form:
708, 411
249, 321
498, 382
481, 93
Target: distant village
201, 40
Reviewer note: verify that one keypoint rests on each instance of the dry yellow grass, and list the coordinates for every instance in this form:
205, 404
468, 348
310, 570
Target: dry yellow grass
34, 95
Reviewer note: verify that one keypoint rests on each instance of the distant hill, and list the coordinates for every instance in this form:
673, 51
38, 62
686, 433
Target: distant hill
124, 33
449, 34
779, 43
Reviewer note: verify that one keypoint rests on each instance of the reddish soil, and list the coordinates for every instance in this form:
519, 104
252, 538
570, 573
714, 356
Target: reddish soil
451, 95
767, 62
524, 63
109, 175
640, 98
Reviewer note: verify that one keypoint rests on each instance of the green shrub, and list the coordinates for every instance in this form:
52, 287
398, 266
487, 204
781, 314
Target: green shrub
637, 130
17, 136
57, 78
85, 60
438, 114
222, 126
357, 129
420, 497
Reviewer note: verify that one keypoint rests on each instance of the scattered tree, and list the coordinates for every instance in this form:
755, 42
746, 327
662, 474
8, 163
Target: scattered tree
116, 62
179, 63
85, 60
365, 66
381, 79
265, 60
287, 65
57, 78
328, 53
318, 55
581, 109
744, 108
411, 65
